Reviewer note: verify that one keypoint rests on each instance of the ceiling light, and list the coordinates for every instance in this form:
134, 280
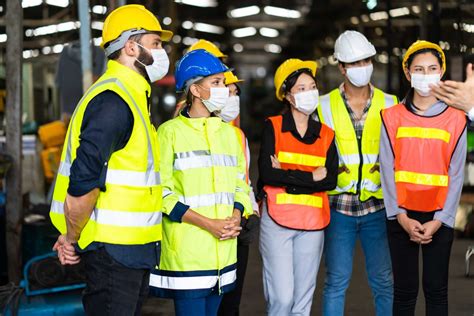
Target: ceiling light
167, 20
58, 48
268, 32
58, 3
96, 25
245, 11
199, 3
99, 9
382, 15
273, 48
209, 28
188, 41
399, 12
46, 50
282, 12
176, 39
415, 9
3, 38
244, 31
97, 41
31, 3
238, 48
354, 20
187, 25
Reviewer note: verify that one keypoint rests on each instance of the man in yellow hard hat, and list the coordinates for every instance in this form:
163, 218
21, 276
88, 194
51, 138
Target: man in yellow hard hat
107, 196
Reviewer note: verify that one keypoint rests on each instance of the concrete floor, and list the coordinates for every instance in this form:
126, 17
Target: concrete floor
359, 298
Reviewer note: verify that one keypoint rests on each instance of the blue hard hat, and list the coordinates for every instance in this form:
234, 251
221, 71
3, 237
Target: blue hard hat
196, 63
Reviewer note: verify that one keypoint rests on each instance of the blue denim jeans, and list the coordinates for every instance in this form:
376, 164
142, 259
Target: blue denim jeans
339, 247
203, 306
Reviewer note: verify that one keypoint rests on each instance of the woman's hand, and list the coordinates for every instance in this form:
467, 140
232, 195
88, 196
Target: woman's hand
415, 230
219, 227
275, 162
431, 228
319, 173
235, 228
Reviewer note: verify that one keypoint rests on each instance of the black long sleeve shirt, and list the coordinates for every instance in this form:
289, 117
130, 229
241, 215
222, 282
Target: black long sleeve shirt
295, 181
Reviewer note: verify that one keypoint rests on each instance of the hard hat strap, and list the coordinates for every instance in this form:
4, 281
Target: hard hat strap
120, 41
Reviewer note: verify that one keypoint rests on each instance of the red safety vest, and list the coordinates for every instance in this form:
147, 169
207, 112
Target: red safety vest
299, 211
422, 148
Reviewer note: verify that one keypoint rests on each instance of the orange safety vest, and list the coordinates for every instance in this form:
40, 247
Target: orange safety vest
422, 148
299, 211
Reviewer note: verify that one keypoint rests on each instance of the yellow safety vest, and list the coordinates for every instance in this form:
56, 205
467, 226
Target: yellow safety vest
202, 165
129, 211
359, 157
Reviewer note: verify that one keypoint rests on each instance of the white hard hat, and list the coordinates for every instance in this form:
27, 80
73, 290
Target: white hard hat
352, 46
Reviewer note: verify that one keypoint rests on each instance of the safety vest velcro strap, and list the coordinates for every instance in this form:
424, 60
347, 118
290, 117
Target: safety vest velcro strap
202, 159
423, 132
204, 200
117, 218
132, 178
422, 178
301, 159
299, 199
192, 282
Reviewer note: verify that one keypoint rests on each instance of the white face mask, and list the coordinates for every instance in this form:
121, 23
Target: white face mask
360, 76
307, 101
161, 63
421, 83
231, 110
218, 99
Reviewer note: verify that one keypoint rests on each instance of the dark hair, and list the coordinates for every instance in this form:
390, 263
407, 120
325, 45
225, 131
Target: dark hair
290, 81
434, 52
408, 100
115, 55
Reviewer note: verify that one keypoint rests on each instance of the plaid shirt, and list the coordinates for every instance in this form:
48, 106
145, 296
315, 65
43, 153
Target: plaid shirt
349, 204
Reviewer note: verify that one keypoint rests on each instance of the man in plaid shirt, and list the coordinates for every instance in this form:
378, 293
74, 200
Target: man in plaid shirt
357, 208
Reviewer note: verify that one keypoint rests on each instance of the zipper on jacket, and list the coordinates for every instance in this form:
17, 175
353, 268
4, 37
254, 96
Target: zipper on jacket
361, 162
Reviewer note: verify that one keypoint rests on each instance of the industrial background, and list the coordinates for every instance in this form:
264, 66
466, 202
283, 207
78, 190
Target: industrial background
46, 62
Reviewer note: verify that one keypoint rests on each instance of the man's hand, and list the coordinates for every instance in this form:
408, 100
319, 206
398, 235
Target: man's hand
66, 251
457, 94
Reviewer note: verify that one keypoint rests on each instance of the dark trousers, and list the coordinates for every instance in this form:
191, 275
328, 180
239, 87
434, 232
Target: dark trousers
231, 301
112, 288
404, 254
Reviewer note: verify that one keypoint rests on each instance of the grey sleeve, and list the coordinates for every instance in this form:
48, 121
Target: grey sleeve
387, 176
456, 180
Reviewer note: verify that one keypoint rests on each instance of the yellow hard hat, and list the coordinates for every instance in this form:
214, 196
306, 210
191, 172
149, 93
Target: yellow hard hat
230, 78
126, 21
419, 45
208, 46
288, 67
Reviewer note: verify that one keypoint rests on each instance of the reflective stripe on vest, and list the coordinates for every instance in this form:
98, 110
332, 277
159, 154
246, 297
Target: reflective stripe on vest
299, 199
333, 112
420, 132
422, 149
202, 159
421, 178
301, 159
117, 218
205, 200
192, 282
